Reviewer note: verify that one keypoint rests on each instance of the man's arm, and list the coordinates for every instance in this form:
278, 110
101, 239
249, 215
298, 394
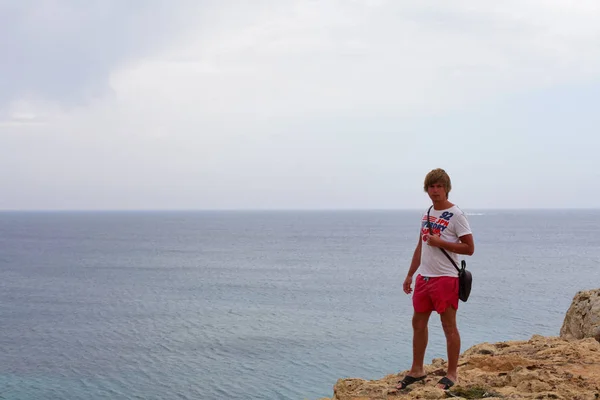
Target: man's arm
414, 265
466, 245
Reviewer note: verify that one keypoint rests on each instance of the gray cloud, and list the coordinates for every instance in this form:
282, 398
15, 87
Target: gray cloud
64, 50
298, 104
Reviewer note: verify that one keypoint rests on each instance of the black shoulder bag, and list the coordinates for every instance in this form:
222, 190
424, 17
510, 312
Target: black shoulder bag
465, 279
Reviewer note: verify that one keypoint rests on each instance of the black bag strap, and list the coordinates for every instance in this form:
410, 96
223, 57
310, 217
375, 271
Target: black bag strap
444, 251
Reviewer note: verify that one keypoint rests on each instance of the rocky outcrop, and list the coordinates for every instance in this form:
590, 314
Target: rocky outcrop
539, 368
563, 368
583, 317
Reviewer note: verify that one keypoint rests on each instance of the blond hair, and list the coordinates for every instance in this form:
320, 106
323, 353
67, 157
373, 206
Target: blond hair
438, 175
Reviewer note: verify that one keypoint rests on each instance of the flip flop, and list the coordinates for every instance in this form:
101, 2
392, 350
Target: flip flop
446, 382
409, 380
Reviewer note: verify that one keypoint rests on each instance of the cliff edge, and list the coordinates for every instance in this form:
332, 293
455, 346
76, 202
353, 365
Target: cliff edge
565, 367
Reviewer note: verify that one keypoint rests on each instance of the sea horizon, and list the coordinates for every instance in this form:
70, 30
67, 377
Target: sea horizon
120, 210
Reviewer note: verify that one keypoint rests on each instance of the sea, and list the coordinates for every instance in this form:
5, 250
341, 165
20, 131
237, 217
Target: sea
258, 304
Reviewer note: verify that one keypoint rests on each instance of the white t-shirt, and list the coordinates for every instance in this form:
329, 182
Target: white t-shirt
450, 225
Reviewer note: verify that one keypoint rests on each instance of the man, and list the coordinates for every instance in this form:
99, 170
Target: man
436, 285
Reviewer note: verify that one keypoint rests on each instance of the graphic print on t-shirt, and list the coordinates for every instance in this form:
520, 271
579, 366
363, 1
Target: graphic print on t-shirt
449, 224
438, 224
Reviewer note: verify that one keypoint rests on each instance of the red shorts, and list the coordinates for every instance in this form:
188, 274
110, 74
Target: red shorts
437, 293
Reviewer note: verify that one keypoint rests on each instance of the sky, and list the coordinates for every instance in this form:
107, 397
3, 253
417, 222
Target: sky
288, 104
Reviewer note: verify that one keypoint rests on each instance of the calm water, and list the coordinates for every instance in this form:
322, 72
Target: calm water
257, 305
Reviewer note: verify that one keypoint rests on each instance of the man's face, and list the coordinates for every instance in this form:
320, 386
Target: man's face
437, 192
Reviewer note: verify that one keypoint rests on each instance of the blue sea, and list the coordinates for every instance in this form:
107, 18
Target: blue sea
258, 305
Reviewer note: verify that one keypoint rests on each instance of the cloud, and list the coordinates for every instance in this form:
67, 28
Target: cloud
295, 56
386, 59
65, 50
292, 103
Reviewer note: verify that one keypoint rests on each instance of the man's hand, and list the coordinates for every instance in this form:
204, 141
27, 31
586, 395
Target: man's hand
406, 285
434, 241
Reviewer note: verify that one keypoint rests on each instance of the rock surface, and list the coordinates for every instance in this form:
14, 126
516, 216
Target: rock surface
564, 368
539, 368
583, 317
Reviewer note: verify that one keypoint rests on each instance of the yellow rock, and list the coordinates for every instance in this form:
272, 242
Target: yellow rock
540, 368
563, 368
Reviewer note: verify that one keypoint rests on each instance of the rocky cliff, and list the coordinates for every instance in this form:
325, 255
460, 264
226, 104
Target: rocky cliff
583, 318
565, 367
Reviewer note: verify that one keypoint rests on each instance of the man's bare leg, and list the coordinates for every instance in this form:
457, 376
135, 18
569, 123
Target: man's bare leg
420, 338
448, 319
